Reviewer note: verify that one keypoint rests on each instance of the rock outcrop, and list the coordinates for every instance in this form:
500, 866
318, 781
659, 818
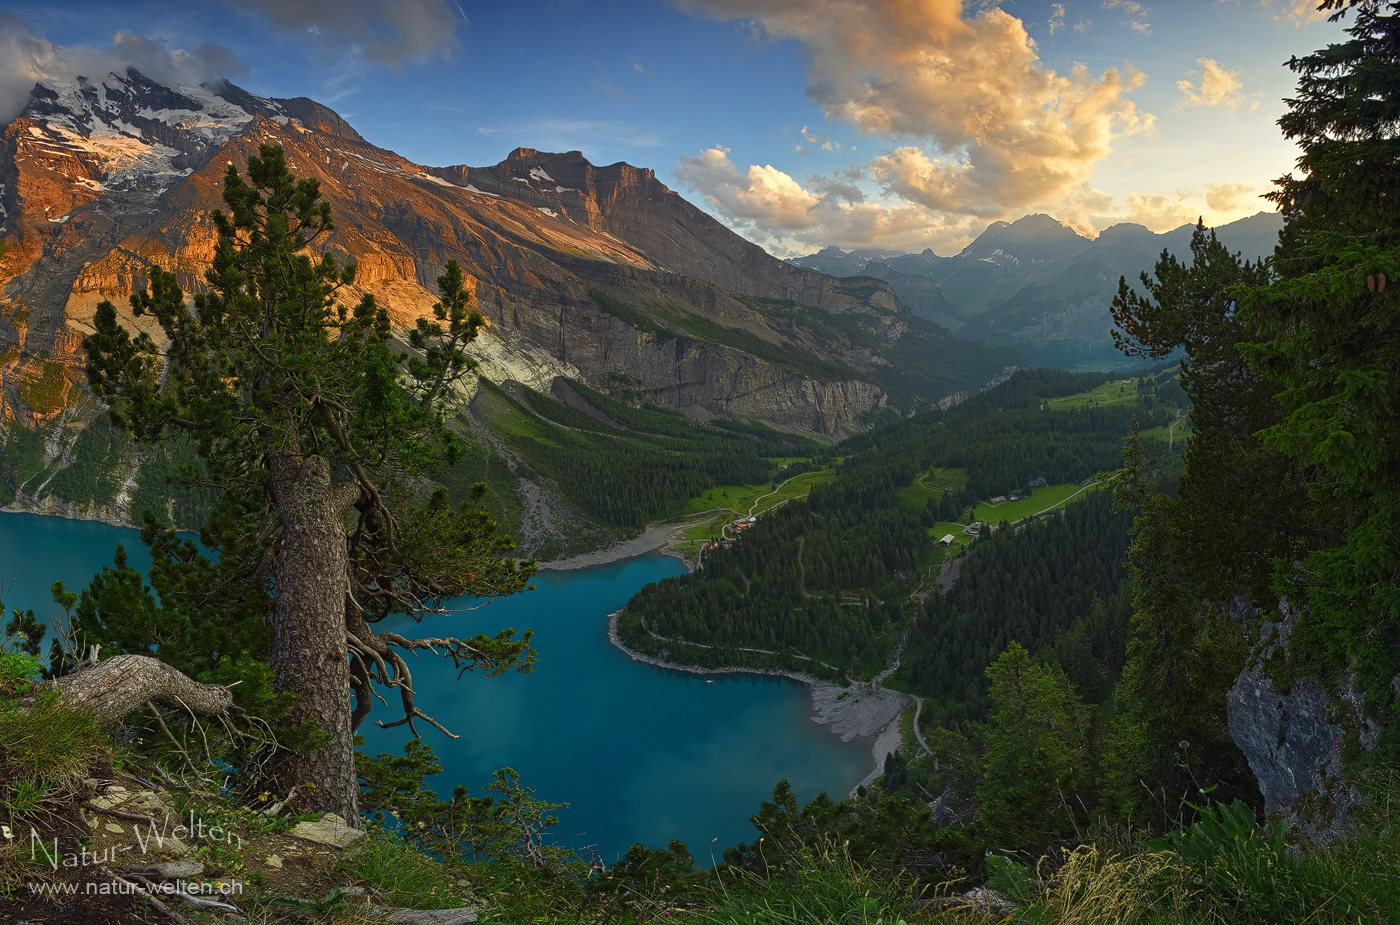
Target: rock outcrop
1293, 741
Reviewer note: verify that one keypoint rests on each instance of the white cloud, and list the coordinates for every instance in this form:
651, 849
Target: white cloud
388, 32
820, 139
991, 124
27, 58
1227, 197
770, 206
1214, 86
1136, 13
764, 196
1057, 17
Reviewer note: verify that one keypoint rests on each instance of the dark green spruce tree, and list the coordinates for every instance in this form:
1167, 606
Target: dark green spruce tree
1329, 322
1235, 510
317, 434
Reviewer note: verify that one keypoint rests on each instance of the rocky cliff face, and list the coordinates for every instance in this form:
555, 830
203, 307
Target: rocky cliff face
103, 178
1293, 740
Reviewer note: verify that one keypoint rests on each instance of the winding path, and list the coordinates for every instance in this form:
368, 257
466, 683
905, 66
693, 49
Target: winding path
700, 645
1062, 501
918, 733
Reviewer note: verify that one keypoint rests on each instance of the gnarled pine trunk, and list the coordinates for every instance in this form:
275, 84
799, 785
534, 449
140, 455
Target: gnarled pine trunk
116, 687
309, 649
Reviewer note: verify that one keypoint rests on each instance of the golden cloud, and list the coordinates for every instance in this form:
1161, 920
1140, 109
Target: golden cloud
772, 207
764, 196
1227, 197
995, 127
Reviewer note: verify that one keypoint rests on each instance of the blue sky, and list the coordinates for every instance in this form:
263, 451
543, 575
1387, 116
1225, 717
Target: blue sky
898, 124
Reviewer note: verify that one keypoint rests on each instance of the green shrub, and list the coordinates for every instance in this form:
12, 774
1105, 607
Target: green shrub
824, 884
402, 875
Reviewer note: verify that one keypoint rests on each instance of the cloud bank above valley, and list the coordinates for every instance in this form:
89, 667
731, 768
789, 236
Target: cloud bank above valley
970, 125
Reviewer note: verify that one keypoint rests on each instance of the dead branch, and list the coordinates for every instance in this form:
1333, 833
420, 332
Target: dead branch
118, 814
155, 903
464, 655
118, 686
160, 721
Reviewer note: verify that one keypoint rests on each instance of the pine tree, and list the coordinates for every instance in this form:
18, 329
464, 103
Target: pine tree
305, 419
1039, 754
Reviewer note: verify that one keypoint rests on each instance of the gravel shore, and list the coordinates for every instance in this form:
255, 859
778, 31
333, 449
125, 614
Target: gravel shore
652, 538
858, 711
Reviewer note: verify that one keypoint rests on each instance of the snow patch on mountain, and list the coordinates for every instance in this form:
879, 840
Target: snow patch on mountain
129, 132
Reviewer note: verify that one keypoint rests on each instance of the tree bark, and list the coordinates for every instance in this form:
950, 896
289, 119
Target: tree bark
117, 687
310, 657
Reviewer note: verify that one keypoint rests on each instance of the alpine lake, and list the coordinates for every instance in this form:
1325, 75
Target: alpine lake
640, 754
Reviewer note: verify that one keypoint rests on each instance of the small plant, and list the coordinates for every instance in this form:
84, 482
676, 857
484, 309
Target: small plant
19, 869
824, 884
50, 739
334, 901
29, 794
1222, 832
17, 673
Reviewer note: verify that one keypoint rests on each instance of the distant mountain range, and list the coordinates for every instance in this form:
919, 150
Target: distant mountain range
598, 274
1035, 283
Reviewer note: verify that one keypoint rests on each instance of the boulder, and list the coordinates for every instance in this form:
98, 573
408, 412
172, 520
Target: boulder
330, 830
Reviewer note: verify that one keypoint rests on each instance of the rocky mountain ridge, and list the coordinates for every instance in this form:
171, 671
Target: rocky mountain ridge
600, 275
104, 178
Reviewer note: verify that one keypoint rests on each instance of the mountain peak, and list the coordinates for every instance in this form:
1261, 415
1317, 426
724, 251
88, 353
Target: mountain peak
1125, 230
1031, 238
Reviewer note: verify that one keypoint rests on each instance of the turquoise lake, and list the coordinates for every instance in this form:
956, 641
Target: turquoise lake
641, 754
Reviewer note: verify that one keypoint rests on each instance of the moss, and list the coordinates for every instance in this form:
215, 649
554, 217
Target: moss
47, 391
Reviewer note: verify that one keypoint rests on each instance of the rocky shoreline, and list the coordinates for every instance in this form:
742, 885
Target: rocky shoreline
861, 710
653, 538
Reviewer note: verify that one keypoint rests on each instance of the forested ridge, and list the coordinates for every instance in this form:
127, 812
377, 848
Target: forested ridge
623, 466
832, 583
